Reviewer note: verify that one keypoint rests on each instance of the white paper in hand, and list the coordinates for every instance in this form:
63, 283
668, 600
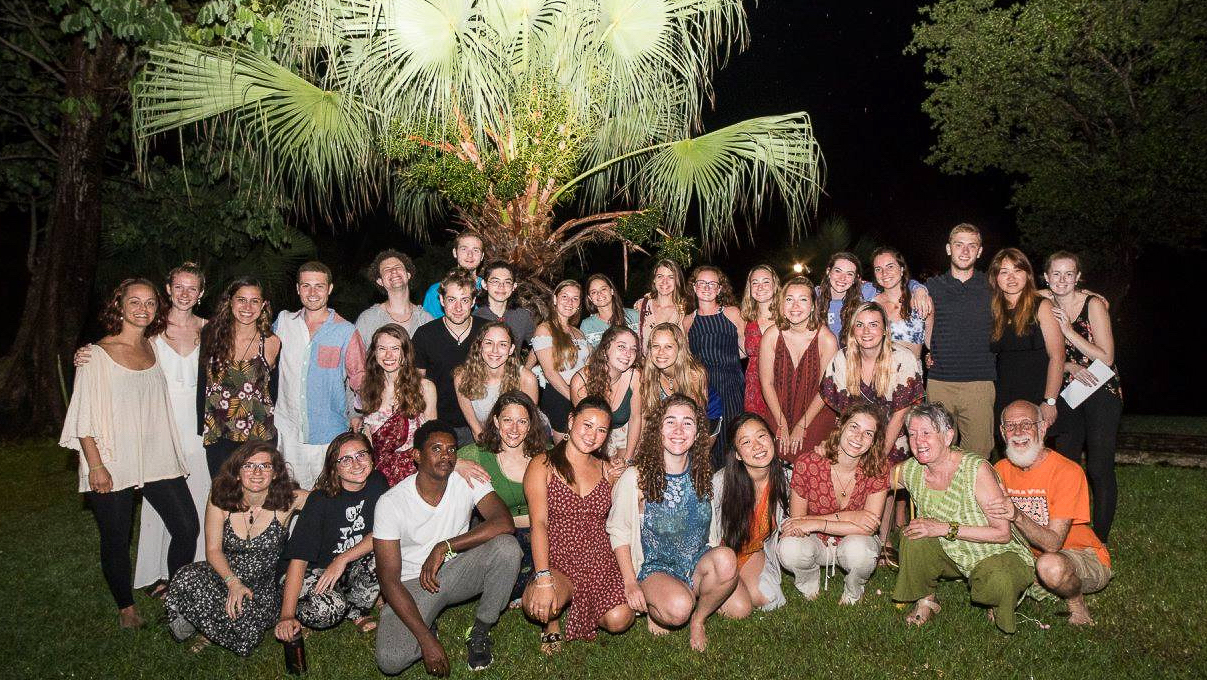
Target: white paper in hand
1078, 391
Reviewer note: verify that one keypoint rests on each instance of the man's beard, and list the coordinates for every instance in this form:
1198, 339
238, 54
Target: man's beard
1025, 456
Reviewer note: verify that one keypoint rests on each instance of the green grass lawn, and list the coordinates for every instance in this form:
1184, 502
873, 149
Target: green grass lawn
1164, 424
59, 621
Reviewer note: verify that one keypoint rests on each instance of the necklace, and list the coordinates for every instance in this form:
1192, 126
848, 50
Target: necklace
252, 516
400, 319
243, 354
457, 337
843, 493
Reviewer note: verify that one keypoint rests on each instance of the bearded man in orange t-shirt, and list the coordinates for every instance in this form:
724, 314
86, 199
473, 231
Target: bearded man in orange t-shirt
1049, 502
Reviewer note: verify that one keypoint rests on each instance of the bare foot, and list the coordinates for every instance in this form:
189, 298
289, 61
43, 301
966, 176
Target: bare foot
365, 624
697, 637
129, 619
655, 629
200, 643
922, 611
1079, 614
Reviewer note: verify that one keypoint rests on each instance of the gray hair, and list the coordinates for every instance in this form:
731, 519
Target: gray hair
935, 412
1039, 414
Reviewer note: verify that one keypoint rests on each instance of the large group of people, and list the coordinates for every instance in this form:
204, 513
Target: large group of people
602, 462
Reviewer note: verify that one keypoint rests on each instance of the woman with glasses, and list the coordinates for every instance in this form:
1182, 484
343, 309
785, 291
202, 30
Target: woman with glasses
232, 597
712, 335
331, 574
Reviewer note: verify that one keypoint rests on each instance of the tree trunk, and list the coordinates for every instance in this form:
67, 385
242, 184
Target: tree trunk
57, 301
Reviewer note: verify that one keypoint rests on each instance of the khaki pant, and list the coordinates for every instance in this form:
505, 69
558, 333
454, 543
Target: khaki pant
1094, 575
972, 405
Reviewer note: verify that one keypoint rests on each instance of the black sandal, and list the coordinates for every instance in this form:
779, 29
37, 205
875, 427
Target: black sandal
889, 557
551, 643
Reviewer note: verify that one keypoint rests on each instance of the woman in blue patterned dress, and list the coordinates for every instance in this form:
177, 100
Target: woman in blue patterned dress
659, 525
714, 338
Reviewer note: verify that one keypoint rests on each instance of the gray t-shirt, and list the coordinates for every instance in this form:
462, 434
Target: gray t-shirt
376, 316
518, 319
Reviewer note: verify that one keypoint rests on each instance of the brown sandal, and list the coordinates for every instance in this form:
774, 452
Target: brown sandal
889, 557
922, 611
551, 643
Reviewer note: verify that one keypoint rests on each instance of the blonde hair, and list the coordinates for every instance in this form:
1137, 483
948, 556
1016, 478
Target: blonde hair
687, 372
964, 228
882, 375
750, 306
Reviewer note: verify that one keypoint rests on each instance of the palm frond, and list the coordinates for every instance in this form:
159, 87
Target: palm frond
733, 170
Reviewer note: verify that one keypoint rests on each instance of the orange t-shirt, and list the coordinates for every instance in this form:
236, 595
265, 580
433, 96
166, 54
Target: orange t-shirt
1055, 488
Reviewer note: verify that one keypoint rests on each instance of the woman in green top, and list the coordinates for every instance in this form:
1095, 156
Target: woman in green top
952, 537
511, 436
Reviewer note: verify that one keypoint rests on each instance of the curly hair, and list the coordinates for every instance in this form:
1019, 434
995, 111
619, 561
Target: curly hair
536, 441
739, 500
852, 297
328, 481
1022, 314
750, 307
614, 304
813, 321
882, 374
874, 461
218, 336
111, 314
226, 492
373, 271
596, 377
473, 372
900, 260
725, 296
408, 393
687, 374
565, 352
556, 457
648, 459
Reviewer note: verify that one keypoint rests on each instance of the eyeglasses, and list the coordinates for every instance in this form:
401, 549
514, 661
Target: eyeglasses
708, 285
352, 458
258, 467
1018, 425
495, 281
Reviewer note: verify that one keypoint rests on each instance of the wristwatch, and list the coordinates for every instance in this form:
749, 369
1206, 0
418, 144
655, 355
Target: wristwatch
1050, 401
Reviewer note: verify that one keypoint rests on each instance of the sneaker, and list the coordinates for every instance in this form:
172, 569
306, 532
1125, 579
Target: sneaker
478, 652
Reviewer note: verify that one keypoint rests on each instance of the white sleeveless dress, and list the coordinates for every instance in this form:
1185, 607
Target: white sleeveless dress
151, 565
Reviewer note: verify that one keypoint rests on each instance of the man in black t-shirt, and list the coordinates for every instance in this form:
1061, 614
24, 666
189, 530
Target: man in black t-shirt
331, 574
441, 345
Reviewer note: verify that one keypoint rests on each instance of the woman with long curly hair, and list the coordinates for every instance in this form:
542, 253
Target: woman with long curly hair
331, 574
759, 312
606, 310
749, 504
395, 401
237, 374
513, 434
612, 374
120, 421
838, 497
712, 334
492, 368
561, 350
569, 498
666, 300
659, 525
791, 360
1026, 339
232, 598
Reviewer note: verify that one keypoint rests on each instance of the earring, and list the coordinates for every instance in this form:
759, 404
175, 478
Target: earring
566, 437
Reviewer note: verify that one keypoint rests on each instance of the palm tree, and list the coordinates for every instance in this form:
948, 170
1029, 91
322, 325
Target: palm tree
496, 113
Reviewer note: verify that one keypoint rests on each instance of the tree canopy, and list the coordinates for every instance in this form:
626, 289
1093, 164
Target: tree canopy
1098, 108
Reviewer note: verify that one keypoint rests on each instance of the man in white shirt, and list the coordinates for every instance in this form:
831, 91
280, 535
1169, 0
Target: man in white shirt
428, 558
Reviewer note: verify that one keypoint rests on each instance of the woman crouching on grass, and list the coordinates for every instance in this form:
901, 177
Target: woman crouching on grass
568, 502
838, 495
749, 504
659, 525
232, 597
331, 573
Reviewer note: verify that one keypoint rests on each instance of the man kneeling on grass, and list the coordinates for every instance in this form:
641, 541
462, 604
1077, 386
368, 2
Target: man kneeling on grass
429, 559
953, 536
1049, 502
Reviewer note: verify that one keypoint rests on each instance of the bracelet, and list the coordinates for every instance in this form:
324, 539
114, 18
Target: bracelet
826, 527
541, 573
226, 581
449, 553
953, 529
99, 466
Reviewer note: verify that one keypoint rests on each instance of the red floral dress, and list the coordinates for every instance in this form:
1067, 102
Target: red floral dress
795, 387
811, 481
393, 438
580, 549
754, 402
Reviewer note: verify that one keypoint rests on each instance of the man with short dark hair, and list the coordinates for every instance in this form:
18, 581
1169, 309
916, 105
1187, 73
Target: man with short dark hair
392, 272
500, 287
428, 557
322, 362
441, 345
963, 368
468, 252
1049, 502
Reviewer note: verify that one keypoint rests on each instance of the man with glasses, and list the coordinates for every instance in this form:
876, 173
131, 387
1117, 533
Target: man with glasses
962, 368
331, 574
1049, 502
500, 286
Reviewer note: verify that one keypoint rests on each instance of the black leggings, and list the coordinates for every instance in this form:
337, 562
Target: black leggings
1094, 426
217, 453
114, 513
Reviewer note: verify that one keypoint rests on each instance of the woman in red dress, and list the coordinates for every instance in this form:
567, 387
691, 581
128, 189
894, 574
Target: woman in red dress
759, 312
